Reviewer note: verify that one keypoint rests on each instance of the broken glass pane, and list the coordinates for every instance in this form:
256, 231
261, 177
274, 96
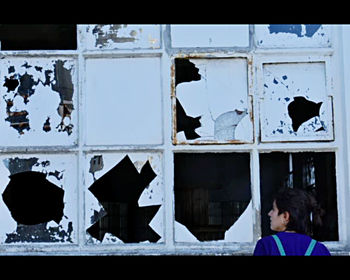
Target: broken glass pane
38, 37
124, 198
212, 102
39, 199
39, 98
314, 172
292, 35
212, 197
296, 105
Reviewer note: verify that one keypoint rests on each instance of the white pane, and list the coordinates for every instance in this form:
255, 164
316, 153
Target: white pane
38, 102
296, 105
217, 35
219, 98
292, 35
123, 101
121, 36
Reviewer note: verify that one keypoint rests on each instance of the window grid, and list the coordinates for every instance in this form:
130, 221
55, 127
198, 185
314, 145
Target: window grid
256, 58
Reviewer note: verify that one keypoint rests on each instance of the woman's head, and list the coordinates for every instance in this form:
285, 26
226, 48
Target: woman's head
295, 210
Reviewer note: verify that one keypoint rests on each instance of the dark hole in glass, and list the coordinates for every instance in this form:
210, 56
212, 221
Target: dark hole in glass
212, 190
310, 171
38, 36
186, 71
118, 191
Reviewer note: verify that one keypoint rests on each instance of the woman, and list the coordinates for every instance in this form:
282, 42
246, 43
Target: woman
293, 215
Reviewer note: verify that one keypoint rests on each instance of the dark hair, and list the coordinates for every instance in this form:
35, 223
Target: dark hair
304, 211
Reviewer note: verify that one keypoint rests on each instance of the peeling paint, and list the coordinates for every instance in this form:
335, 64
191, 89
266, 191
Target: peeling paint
39, 99
96, 164
114, 36
103, 35
293, 35
300, 30
64, 86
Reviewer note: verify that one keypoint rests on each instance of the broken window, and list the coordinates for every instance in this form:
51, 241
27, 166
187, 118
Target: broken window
212, 101
311, 171
212, 192
38, 97
296, 105
123, 101
38, 199
292, 35
38, 37
203, 35
124, 198
121, 36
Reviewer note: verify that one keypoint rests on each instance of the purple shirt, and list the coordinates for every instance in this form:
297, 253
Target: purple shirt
294, 244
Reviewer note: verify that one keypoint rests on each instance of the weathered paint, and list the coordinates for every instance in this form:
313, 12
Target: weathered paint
120, 108
204, 35
300, 30
302, 109
60, 170
121, 36
221, 89
38, 96
152, 195
292, 35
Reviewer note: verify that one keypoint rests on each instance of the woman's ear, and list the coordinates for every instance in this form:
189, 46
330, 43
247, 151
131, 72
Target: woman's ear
286, 217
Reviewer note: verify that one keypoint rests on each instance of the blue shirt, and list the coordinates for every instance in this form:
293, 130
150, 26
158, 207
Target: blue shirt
294, 244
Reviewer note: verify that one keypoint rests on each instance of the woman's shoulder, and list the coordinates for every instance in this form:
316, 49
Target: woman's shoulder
321, 250
263, 246
304, 240
294, 243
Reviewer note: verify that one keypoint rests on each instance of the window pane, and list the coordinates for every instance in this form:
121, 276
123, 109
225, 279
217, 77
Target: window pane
292, 35
215, 35
296, 105
212, 103
38, 36
310, 171
39, 101
124, 198
121, 36
212, 191
123, 101
39, 195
